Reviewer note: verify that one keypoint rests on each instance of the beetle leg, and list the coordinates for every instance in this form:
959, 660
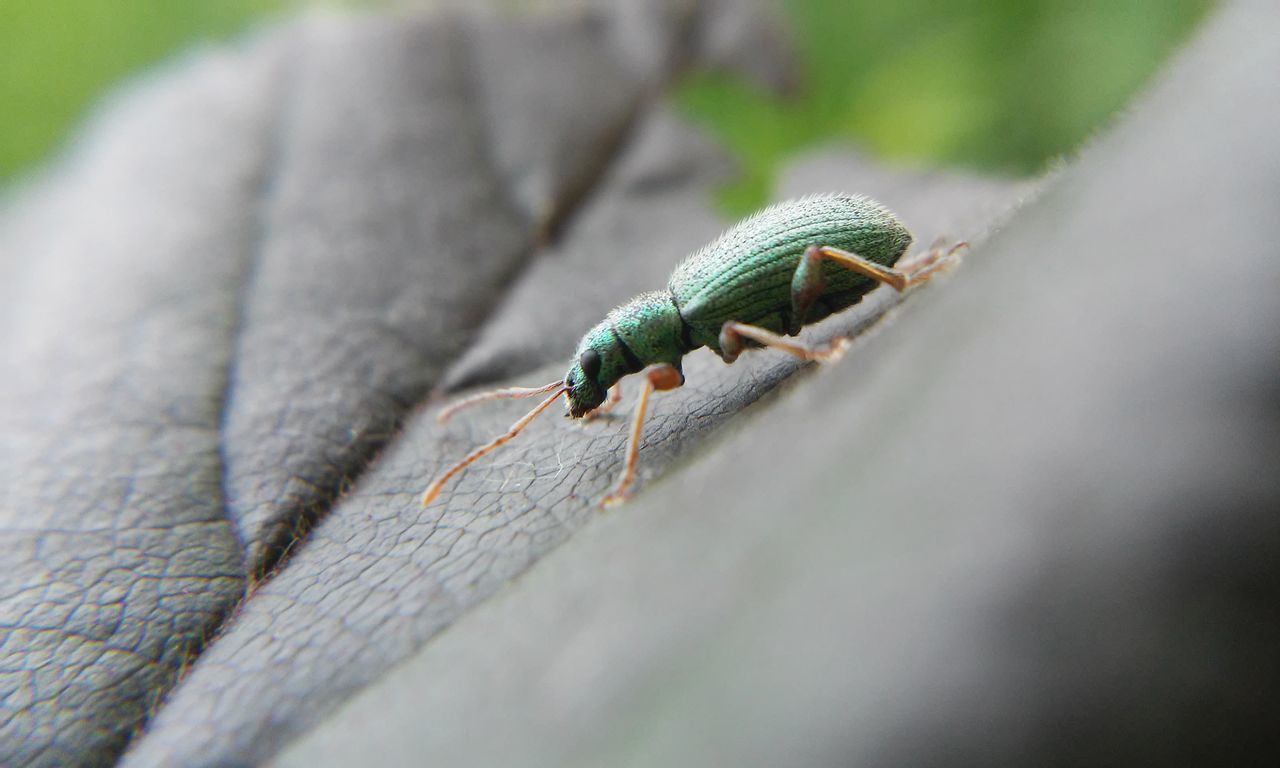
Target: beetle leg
615, 397
660, 377
913, 271
921, 266
806, 287
733, 336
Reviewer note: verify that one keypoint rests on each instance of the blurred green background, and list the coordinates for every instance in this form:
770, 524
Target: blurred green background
997, 85
1001, 85
58, 56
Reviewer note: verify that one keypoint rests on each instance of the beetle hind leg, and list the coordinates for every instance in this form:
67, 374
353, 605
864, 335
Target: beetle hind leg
907, 273
922, 266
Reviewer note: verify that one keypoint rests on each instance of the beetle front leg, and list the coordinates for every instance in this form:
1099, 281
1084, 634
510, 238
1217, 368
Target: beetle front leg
733, 336
662, 378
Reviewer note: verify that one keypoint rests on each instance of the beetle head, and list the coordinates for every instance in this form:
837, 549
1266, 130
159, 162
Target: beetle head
582, 382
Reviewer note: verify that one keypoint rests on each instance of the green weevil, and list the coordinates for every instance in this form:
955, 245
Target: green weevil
762, 280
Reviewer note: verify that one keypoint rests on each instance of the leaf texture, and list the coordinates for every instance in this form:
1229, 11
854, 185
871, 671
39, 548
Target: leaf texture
227, 298
1031, 521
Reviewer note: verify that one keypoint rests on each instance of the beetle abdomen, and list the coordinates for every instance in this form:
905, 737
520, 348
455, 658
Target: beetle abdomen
745, 274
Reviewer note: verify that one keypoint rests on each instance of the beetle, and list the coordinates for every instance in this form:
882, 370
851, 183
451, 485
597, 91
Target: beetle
764, 279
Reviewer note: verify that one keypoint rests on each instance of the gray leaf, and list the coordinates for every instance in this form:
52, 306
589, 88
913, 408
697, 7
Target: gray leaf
1032, 521
222, 305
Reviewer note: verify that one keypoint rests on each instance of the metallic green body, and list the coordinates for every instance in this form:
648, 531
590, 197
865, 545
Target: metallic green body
645, 331
745, 275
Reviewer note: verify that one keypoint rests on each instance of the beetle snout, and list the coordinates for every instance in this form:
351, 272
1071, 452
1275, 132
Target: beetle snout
581, 403
583, 398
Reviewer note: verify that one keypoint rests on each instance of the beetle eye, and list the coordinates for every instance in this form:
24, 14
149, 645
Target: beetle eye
590, 363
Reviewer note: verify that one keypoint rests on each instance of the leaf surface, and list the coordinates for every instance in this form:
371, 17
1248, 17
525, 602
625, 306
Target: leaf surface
226, 300
1031, 521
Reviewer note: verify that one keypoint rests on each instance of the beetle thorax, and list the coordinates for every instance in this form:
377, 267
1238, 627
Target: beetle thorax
645, 331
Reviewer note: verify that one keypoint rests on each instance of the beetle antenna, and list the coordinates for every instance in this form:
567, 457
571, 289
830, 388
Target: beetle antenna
433, 490
511, 393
